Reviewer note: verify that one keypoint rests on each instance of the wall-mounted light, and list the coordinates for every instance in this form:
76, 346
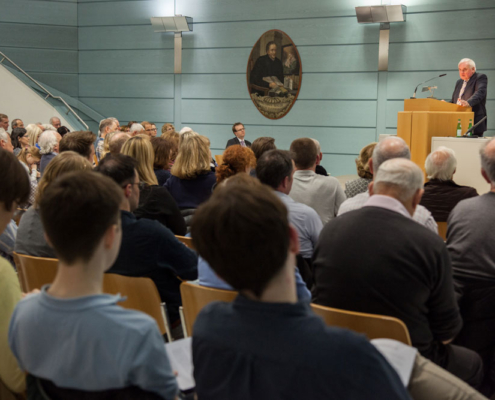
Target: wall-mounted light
176, 24
383, 15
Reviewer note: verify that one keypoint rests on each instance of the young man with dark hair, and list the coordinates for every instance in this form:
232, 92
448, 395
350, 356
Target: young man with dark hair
239, 133
148, 248
14, 190
266, 345
322, 193
81, 142
71, 335
262, 145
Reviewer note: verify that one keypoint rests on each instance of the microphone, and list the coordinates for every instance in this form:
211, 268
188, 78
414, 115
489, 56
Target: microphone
472, 129
414, 95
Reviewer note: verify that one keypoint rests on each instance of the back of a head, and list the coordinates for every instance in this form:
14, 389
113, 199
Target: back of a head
235, 159
136, 128
252, 215
193, 158
66, 162
33, 131
273, 166
141, 150
441, 164
304, 153
162, 148
47, 142
14, 185
389, 148
362, 162
185, 136
262, 145
72, 197
487, 154
79, 141
400, 176
117, 141
119, 167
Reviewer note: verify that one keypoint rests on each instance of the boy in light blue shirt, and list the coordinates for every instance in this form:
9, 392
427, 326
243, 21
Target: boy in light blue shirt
71, 334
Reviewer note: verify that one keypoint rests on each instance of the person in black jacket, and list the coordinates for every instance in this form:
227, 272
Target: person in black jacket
267, 66
239, 132
470, 91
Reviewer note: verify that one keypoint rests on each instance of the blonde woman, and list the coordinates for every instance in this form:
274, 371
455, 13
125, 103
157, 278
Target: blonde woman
106, 144
167, 128
192, 178
30, 157
30, 235
155, 202
360, 185
33, 132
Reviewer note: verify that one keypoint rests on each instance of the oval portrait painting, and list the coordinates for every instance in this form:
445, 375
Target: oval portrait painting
274, 74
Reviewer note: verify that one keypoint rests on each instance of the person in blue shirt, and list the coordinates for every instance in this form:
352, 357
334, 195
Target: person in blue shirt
267, 344
71, 336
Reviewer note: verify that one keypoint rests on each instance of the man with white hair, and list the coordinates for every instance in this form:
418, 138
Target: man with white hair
378, 260
136, 129
5, 142
319, 168
55, 122
389, 148
48, 143
470, 91
470, 238
441, 193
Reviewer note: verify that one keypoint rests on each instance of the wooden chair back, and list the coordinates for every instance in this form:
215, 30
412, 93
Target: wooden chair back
219, 159
186, 240
141, 293
195, 297
442, 230
372, 325
34, 272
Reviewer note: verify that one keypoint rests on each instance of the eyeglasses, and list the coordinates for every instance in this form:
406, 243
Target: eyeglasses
239, 130
151, 130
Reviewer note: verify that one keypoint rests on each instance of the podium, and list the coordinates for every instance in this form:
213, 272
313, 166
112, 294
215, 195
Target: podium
423, 119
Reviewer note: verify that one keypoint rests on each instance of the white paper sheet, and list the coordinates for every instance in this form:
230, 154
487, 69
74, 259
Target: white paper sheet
400, 356
180, 355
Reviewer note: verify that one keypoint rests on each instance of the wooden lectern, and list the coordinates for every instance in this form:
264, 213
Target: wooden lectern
424, 118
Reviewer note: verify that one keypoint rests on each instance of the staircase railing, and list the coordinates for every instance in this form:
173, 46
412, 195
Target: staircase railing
46, 91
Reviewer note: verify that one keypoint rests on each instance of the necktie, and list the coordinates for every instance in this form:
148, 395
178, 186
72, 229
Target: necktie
243, 144
461, 92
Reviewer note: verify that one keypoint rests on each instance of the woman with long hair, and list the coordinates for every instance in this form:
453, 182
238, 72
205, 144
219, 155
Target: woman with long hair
155, 202
173, 138
29, 158
20, 140
161, 163
30, 235
192, 179
34, 132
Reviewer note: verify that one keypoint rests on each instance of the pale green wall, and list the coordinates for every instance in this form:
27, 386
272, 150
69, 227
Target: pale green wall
124, 69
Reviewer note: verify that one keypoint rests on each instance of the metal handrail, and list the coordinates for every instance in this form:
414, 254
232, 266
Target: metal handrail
48, 94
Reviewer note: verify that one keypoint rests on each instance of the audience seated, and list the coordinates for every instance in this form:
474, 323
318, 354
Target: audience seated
149, 128
161, 163
30, 238
235, 159
207, 277
148, 248
20, 140
387, 149
52, 332
322, 193
49, 147
192, 179
167, 128
14, 190
378, 260
441, 193
360, 185
266, 344
319, 168
117, 141
29, 158
155, 202
81, 142
470, 238
34, 132
276, 170
107, 125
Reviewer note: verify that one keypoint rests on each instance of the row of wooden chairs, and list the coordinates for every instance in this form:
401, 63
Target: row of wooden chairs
142, 295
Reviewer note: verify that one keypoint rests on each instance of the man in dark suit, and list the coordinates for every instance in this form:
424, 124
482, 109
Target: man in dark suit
470, 91
239, 132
